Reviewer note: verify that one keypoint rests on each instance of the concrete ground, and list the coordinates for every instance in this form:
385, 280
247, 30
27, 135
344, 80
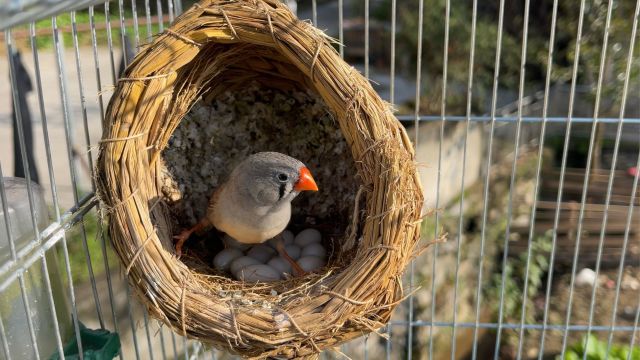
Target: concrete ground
53, 108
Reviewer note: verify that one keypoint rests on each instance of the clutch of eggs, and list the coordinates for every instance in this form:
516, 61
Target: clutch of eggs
262, 262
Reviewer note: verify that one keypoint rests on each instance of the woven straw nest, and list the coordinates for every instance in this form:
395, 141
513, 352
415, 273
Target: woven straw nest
221, 45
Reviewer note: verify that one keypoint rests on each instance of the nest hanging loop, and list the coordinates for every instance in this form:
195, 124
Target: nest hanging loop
220, 45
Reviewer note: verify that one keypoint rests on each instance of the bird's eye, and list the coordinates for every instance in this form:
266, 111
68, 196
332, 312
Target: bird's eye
283, 177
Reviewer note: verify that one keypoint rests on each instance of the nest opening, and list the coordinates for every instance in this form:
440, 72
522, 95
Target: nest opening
219, 132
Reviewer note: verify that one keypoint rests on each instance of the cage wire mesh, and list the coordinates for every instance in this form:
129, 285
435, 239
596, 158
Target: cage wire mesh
526, 121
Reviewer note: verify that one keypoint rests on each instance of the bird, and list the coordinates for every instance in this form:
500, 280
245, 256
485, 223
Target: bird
254, 204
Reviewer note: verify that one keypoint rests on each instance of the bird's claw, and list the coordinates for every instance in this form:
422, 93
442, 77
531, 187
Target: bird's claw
185, 234
298, 271
179, 240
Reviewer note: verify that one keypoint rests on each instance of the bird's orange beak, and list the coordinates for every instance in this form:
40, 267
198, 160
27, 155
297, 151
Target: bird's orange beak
305, 181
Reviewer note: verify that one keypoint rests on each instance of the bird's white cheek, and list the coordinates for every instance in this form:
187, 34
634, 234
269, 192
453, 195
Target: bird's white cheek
267, 196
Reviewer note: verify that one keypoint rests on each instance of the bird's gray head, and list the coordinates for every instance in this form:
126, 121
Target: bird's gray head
271, 178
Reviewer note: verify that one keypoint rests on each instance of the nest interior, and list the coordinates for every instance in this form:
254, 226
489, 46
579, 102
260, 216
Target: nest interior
215, 48
215, 136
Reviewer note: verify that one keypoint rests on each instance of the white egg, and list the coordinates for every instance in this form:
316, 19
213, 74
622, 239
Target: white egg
230, 242
258, 272
241, 262
308, 236
311, 263
293, 251
286, 236
280, 264
261, 253
225, 257
585, 277
314, 249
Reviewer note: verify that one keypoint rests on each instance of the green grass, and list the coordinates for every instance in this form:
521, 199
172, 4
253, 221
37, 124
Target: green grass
597, 350
77, 254
82, 19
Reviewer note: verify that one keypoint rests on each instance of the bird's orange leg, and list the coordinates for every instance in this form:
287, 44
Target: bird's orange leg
185, 234
297, 270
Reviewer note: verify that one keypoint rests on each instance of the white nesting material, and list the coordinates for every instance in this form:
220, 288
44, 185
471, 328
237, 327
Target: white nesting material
307, 236
224, 258
280, 264
311, 263
261, 253
258, 272
242, 262
293, 251
314, 249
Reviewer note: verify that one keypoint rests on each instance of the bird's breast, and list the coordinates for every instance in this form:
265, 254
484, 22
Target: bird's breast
245, 223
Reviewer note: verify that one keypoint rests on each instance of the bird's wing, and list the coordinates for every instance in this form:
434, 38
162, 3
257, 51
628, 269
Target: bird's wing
213, 200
